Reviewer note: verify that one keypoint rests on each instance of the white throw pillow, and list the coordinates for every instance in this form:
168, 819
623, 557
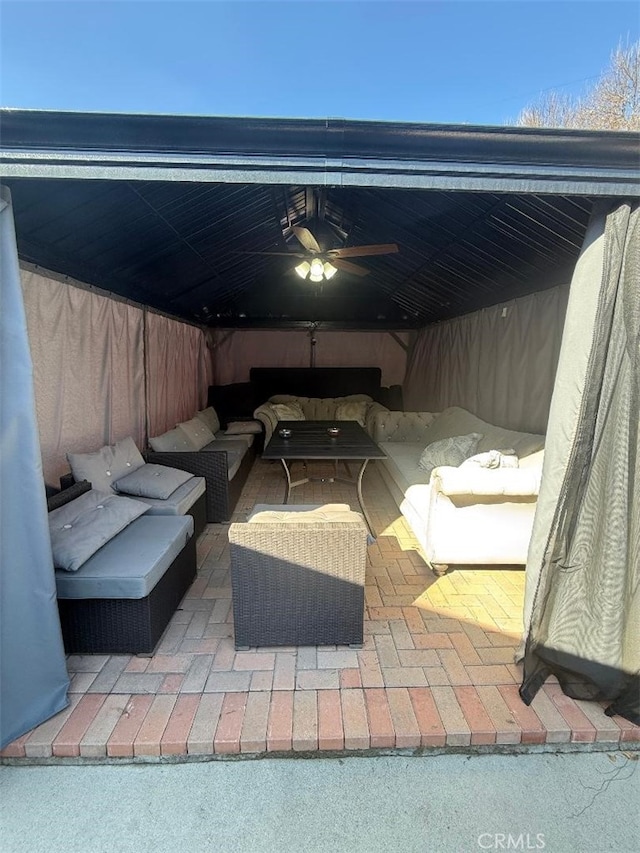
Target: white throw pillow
210, 417
152, 481
449, 451
353, 411
173, 441
288, 411
81, 527
492, 459
103, 467
197, 432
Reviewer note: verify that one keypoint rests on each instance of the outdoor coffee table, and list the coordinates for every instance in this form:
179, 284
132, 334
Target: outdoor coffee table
311, 440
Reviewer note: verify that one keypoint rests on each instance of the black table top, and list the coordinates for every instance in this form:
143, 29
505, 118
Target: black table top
310, 440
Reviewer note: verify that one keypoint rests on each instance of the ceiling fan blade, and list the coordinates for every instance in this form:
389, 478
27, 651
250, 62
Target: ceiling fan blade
361, 251
280, 254
347, 266
306, 238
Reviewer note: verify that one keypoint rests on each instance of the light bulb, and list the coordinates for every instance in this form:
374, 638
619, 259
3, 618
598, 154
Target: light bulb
317, 268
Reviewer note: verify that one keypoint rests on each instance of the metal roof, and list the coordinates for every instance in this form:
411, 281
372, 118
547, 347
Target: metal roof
163, 209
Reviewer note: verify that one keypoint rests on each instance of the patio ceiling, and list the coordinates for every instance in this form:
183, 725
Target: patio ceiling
175, 232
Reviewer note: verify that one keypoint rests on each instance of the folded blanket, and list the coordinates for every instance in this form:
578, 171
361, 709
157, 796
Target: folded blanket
492, 459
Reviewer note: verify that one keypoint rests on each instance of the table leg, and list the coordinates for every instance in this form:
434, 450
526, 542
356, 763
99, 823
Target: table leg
288, 476
360, 500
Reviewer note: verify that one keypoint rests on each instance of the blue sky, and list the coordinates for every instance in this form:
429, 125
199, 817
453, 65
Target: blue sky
461, 62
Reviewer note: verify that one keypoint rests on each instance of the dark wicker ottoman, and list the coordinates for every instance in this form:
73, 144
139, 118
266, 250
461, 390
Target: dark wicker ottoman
297, 575
121, 623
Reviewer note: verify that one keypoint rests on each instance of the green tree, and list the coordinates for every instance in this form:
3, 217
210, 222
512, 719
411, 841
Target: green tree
613, 102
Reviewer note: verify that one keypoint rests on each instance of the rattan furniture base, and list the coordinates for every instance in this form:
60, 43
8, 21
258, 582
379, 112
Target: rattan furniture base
298, 584
221, 494
127, 626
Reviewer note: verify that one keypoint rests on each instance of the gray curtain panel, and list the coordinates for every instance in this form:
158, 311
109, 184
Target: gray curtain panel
584, 620
499, 363
33, 674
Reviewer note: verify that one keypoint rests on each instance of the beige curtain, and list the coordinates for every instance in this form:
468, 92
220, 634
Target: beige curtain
364, 349
88, 365
178, 371
498, 363
236, 352
89, 362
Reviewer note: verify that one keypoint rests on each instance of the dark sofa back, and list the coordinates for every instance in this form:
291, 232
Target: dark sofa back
315, 381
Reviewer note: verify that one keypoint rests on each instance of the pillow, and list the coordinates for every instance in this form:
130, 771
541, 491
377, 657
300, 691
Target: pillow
288, 411
449, 451
353, 411
80, 528
103, 467
174, 440
243, 428
197, 432
492, 459
210, 418
152, 481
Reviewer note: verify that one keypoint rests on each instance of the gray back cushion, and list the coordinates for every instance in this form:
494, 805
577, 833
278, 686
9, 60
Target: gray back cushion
173, 441
197, 432
104, 467
210, 417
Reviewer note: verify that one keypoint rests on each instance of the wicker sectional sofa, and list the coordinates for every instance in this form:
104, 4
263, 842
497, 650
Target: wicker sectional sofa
467, 515
223, 459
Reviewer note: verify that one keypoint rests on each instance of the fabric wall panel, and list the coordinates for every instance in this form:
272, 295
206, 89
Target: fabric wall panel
363, 349
499, 363
87, 353
178, 371
236, 352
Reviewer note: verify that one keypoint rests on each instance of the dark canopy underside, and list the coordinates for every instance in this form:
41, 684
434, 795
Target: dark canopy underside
168, 211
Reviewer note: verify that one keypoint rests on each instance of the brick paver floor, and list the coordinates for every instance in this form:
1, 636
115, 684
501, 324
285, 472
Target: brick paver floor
436, 669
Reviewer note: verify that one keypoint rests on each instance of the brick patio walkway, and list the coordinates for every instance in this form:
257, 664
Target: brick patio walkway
436, 669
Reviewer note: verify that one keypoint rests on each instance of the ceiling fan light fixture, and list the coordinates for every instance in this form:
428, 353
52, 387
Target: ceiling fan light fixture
329, 270
303, 269
317, 270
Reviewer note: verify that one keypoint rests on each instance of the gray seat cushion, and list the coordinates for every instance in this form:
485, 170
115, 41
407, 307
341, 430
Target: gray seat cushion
132, 563
180, 501
235, 450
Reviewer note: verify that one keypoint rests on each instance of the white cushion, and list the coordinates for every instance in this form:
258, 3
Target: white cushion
288, 411
78, 529
197, 432
302, 513
175, 440
448, 451
103, 467
152, 481
352, 411
209, 416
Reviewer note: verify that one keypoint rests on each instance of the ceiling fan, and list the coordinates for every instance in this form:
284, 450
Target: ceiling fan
319, 264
